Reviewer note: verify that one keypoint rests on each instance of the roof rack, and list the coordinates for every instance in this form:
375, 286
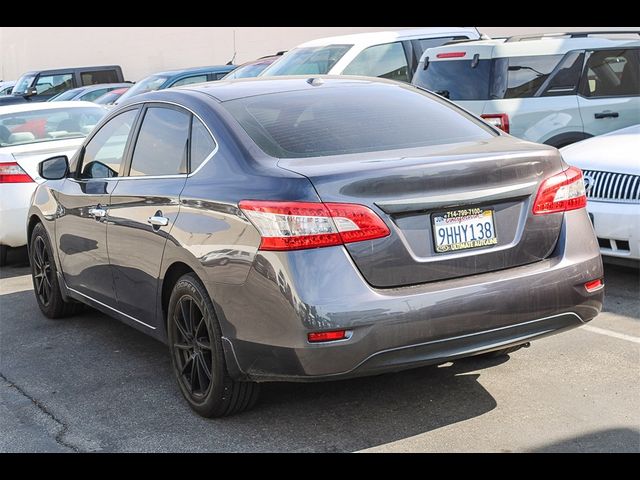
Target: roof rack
534, 36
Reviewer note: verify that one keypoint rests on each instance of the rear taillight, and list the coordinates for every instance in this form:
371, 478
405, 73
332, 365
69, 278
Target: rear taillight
498, 120
299, 225
560, 193
451, 55
11, 172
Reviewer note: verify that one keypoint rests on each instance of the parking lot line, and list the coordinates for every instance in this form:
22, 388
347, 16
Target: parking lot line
609, 333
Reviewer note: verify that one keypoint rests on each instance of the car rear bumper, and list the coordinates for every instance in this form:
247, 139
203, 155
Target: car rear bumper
14, 205
617, 225
265, 322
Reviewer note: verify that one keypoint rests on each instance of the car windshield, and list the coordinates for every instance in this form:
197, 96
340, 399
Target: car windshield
110, 97
247, 71
23, 84
149, 84
332, 121
307, 61
68, 95
21, 128
456, 79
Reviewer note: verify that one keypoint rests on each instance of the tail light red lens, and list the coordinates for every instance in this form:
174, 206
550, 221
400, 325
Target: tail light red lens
594, 285
561, 193
11, 172
498, 120
451, 55
300, 225
316, 337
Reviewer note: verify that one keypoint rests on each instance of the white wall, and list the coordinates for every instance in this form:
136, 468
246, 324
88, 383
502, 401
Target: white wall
144, 50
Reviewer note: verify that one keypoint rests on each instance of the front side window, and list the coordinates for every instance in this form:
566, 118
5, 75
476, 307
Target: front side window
161, 147
104, 153
39, 126
53, 84
612, 73
385, 61
190, 80
201, 143
331, 121
308, 61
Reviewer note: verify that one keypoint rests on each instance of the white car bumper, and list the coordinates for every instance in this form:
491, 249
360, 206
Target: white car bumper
617, 227
14, 206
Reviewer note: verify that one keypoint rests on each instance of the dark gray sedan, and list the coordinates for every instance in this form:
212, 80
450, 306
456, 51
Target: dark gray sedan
300, 229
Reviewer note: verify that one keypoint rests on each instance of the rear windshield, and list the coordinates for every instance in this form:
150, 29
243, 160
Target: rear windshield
513, 77
334, 121
308, 61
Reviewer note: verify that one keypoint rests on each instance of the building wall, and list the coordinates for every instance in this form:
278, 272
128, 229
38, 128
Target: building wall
144, 50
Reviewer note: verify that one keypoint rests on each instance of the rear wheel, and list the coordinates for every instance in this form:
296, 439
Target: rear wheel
197, 357
45, 277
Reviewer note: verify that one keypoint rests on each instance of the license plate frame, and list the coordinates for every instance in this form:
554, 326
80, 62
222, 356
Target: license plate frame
471, 237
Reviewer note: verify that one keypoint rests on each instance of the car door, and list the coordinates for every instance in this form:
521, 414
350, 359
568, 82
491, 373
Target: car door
610, 90
81, 228
144, 206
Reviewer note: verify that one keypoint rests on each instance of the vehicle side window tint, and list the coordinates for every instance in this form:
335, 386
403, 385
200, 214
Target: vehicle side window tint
527, 74
612, 73
161, 147
385, 61
190, 80
54, 84
99, 76
201, 143
565, 80
105, 151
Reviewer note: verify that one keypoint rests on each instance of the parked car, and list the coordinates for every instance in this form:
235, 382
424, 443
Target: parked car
176, 78
252, 68
110, 97
612, 178
30, 133
370, 227
393, 55
41, 85
89, 93
554, 89
6, 87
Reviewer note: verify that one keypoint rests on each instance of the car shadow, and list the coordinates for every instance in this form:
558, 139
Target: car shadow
17, 260
618, 440
99, 374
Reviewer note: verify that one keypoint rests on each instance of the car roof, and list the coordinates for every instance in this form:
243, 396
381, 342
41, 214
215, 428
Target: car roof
225, 90
500, 47
35, 106
180, 71
374, 38
59, 70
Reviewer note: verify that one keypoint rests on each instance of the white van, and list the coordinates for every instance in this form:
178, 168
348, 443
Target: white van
391, 54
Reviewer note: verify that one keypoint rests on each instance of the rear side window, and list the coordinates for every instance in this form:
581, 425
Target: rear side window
201, 143
525, 75
426, 43
99, 76
161, 147
456, 79
384, 61
612, 73
332, 121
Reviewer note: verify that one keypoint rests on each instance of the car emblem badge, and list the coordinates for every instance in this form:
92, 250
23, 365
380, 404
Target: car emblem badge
589, 182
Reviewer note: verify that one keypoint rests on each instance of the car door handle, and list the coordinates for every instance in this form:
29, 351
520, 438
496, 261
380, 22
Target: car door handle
158, 221
606, 115
97, 212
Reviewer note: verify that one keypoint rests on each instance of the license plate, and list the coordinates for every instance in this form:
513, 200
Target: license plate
463, 229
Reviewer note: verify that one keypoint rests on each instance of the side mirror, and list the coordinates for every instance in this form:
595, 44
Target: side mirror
30, 93
54, 168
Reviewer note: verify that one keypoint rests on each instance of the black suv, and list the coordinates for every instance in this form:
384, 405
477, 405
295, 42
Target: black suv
41, 85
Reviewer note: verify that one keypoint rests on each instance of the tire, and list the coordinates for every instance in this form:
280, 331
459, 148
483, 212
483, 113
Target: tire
3, 255
504, 351
45, 277
195, 343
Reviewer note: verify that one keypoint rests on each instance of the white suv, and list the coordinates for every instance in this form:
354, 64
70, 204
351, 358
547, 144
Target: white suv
551, 88
393, 54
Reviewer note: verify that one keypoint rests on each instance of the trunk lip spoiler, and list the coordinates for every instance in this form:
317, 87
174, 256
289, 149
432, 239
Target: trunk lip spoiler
444, 200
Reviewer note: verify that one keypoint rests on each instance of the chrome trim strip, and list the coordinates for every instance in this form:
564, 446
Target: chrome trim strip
110, 308
458, 198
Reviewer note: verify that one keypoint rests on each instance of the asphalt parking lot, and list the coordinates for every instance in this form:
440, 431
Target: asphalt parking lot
89, 383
